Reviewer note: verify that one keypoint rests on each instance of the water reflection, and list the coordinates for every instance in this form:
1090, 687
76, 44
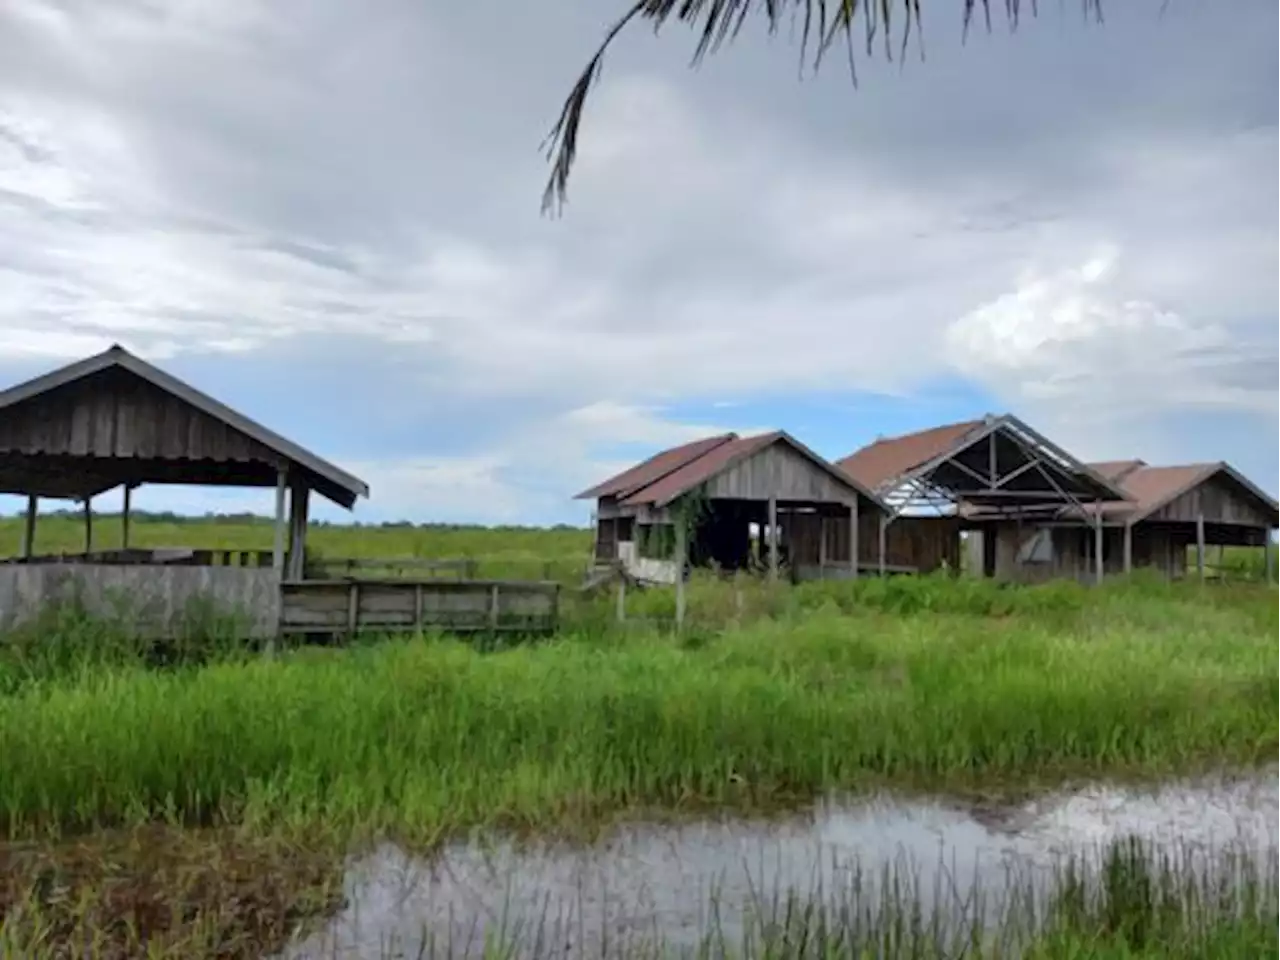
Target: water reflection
662, 882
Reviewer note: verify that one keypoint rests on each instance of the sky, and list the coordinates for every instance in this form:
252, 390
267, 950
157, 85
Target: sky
328, 216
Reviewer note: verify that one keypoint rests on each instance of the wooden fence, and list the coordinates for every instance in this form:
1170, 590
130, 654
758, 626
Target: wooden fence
458, 606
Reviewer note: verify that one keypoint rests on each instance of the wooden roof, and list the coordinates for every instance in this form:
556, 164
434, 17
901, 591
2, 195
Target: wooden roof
100, 470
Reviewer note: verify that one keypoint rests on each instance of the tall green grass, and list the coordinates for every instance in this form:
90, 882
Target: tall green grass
424, 737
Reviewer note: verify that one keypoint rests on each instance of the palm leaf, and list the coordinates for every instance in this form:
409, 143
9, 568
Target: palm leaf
822, 24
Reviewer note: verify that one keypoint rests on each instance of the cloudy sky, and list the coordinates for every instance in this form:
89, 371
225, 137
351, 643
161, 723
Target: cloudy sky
327, 215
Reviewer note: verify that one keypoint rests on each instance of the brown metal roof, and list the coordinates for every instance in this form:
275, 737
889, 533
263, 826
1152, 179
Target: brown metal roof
700, 470
891, 457
1115, 470
655, 468
715, 457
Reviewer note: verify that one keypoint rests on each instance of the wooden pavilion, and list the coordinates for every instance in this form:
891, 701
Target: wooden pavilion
114, 420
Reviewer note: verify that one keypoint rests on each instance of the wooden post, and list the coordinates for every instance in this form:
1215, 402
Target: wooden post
1097, 541
1128, 548
353, 608
822, 547
622, 596
417, 607
681, 552
88, 524
125, 512
298, 496
773, 539
884, 526
494, 608
1200, 546
1268, 559
277, 550
853, 540
29, 527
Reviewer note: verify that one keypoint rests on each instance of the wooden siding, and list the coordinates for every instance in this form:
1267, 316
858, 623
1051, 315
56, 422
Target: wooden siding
1218, 500
150, 600
923, 544
1162, 549
348, 606
778, 471
114, 414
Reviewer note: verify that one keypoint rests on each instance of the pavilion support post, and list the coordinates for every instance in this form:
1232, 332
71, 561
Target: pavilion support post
822, 546
1128, 549
29, 527
1268, 559
884, 534
853, 539
88, 524
277, 551
681, 554
125, 510
773, 539
1097, 541
299, 494
1200, 546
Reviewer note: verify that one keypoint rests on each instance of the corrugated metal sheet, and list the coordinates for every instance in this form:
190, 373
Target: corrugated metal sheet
700, 470
878, 463
683, 468
1115, 470
655, 468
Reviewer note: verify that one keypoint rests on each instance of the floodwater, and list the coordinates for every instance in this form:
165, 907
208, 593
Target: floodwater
647, 882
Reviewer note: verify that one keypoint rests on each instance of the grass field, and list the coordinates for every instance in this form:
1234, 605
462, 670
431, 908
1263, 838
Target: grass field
770, 697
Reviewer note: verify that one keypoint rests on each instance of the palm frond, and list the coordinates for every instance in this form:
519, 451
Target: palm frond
822, 24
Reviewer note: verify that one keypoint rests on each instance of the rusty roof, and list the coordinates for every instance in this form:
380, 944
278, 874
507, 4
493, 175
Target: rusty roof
1115, 470
698, 462
655, 468
891, 457
1149, 488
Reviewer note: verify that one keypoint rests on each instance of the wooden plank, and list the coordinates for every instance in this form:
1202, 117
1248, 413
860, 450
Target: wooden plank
327, 606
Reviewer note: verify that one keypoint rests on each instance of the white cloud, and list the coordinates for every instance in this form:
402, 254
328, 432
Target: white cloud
368, 185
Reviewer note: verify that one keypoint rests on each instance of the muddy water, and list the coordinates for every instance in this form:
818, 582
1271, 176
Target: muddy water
649, 882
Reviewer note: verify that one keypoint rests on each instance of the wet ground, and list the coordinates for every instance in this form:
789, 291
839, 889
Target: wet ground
661, 882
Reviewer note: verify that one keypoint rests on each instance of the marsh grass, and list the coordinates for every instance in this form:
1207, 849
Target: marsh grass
819, 689
175, 895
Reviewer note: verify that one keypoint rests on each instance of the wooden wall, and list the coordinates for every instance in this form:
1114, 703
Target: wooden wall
114, 414
152, 600
1218, 500
921, 543
1160, 548
779, 471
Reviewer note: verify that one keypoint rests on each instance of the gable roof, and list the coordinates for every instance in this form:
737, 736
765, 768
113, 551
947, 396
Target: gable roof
1117, 470
339, 486
702, 460
889, 458
655, 468
888, 462
1150, 488
723, 456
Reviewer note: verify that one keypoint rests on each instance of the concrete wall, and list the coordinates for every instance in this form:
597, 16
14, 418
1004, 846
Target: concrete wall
152, 600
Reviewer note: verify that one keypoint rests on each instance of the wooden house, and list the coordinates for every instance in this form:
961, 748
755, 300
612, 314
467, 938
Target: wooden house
1167, 511
702, 502
933, 480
